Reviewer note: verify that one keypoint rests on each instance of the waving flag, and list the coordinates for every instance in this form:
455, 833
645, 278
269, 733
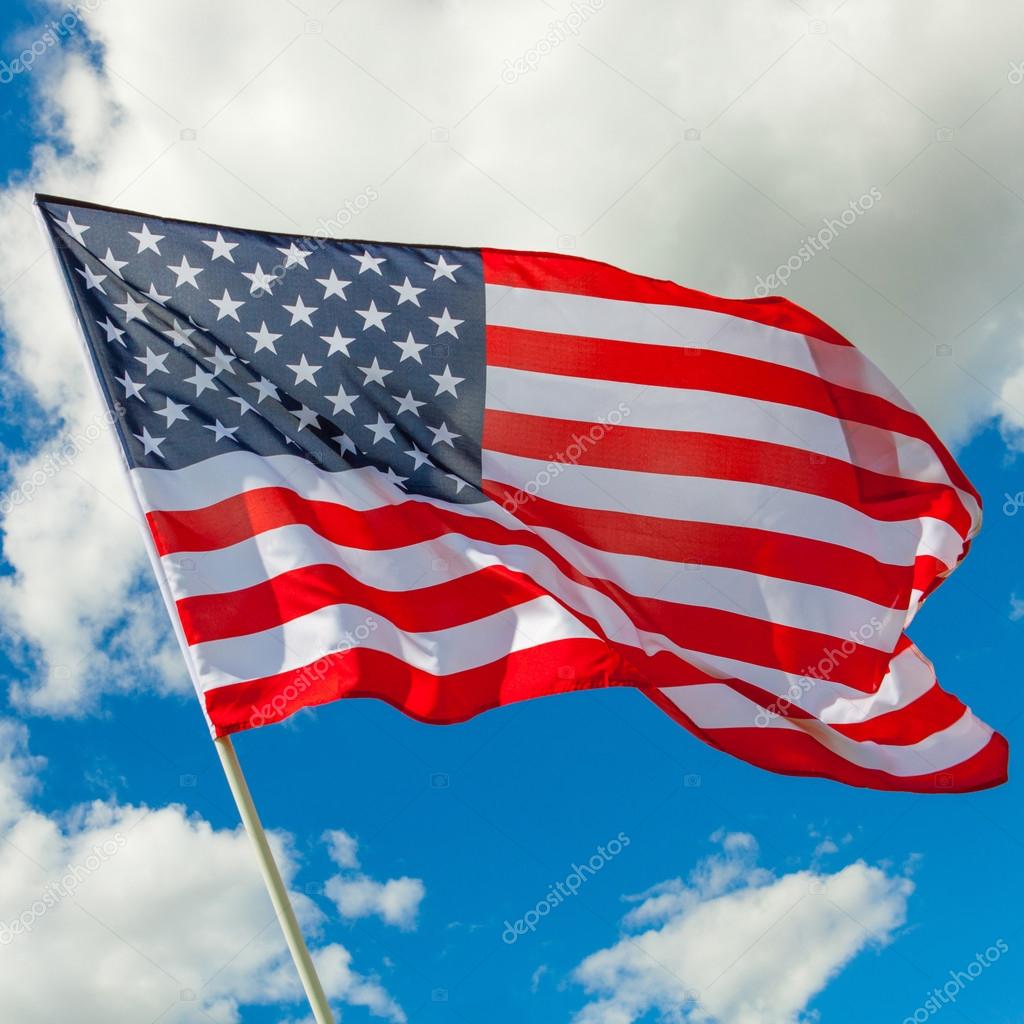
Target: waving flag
457, 478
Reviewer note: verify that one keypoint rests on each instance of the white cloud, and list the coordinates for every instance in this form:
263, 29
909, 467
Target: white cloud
277, 121
342, 848
396, 901
734, 944
118, 912
1016, 608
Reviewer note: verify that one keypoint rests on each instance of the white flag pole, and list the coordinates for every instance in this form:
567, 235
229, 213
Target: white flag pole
225, 749
275, 884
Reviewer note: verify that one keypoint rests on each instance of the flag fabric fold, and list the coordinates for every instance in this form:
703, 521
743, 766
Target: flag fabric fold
456, 478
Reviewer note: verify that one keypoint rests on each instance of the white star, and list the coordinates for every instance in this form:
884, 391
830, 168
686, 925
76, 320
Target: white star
132, 310
374, 372
306, 417
221, 360
337, 342
114, 333
333, 285
265, 388
446, 323
406, 292
186, 274
243, 405
418, 457
300, 311
220, 431
146, 239
410, 349
260, 281
442, 269
381, 430
153, 363
393, 477
172, 411
202, 381
227, 306
368, 262
345, 443
446, 382
304, 370
72, 228
293, 254
150, 444
442, 435
180, 335
458, 481
342, 401
407, 404
92, 280
264, 338
112, 264
131, 389
372, 317
218, 248
155, 295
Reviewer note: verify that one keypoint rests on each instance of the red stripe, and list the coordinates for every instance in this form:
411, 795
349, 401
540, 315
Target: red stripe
713, 456
301, 591
932, 712
794, 753
710, 630
253, 512
556, 667
763, 552
578, 276
701, 369
760, 551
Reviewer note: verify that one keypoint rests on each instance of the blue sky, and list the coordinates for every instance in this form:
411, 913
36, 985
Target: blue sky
491, 813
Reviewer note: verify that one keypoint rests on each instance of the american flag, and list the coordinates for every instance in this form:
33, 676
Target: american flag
456, 478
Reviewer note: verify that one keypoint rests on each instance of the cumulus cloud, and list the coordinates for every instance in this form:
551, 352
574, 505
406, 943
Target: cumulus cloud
734, 944
114, 912
396, 901
342, 848
702, 142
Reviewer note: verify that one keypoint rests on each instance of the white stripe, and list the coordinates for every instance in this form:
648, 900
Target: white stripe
728, 503
910, 676
295, 644
240, 565
713, 706
213, 480
615, 403
685, 327
452, 556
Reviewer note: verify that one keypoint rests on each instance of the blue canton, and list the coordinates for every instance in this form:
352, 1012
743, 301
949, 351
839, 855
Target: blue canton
214, 339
